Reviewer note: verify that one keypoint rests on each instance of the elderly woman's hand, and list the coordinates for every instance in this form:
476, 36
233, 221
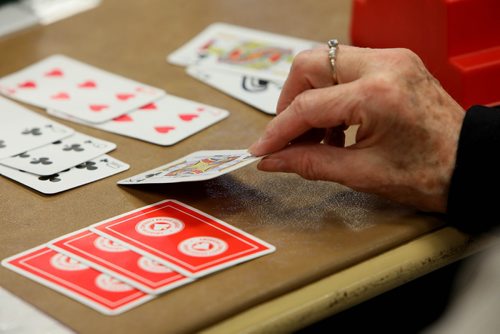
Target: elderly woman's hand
408, 131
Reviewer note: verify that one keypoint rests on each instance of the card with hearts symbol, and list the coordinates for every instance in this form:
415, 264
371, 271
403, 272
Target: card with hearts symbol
197, 166
87, 172
183, 238
22, 129
163, 122
77, 89
76, 280
59, 155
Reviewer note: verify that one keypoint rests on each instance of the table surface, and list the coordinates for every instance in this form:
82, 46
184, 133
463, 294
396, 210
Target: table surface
318, 228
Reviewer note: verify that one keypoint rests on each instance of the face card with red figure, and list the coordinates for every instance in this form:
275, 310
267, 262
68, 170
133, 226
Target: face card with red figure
242, 50
198, 166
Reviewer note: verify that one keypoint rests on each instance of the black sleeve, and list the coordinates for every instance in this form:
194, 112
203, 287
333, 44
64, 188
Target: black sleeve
474, 200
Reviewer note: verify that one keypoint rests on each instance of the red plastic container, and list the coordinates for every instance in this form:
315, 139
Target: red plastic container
458, 40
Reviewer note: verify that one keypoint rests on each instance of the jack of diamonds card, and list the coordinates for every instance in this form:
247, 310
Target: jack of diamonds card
197, 166
183, 238
76, 280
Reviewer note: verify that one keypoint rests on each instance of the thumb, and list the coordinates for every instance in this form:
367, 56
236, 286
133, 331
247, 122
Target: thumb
318, 162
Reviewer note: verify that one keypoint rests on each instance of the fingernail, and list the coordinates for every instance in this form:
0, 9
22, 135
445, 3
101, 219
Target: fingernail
254, 148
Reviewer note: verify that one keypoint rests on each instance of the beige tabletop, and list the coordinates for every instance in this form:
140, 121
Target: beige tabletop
320, 229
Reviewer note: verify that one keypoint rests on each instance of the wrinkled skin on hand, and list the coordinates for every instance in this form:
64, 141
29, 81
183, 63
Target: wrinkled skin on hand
408, 131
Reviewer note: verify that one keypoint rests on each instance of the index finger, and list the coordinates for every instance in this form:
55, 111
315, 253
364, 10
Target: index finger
315, 108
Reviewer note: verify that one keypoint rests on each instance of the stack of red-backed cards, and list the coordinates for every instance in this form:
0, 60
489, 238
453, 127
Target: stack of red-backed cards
125, 261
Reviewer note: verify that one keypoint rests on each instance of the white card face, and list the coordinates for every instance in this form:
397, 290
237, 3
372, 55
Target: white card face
198, 166
22, 129
261, 94
77, 89
252, 52
163, 122
59, 155
87, 172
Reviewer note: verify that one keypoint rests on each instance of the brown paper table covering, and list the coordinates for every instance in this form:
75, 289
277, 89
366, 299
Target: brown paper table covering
318, 228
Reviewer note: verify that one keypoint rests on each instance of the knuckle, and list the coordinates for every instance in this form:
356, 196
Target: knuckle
300, 104
384, 88
399, 61
308, 62
405, 53
301, 61
379, 85
407, 61
404, 56
308, 169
